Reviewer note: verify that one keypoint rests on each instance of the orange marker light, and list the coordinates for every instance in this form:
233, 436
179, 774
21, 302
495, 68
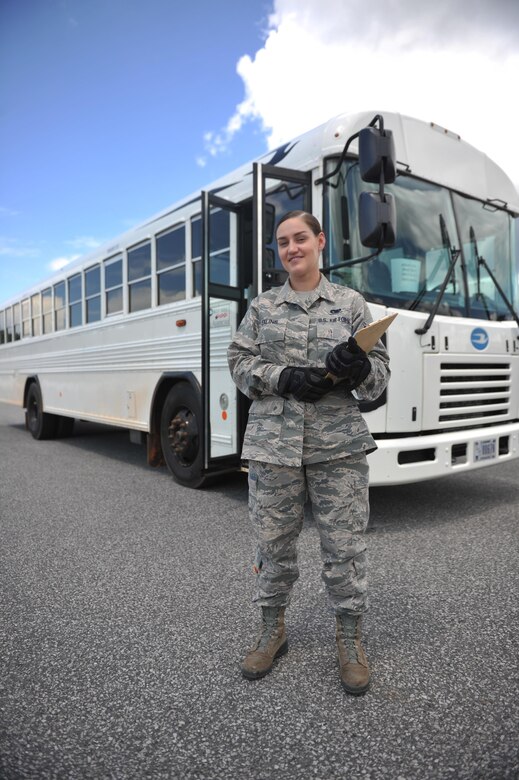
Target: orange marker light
181, 323
224, 415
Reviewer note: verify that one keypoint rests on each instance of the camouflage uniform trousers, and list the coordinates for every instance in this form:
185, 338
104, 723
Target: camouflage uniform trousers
338, 492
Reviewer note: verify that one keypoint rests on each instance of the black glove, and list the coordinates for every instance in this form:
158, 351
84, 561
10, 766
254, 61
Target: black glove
348, 361
305, 384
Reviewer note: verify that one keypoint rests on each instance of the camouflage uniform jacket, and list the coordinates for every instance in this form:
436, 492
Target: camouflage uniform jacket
282, 329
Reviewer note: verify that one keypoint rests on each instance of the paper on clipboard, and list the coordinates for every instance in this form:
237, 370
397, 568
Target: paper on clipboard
367, 337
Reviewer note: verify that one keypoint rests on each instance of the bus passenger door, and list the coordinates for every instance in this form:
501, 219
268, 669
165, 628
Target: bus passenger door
276, 191
222, 300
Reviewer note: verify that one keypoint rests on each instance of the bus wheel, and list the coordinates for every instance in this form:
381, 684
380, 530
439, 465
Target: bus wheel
181, 435
40, 424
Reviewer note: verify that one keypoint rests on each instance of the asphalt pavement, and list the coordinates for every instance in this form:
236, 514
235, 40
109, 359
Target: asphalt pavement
125, 610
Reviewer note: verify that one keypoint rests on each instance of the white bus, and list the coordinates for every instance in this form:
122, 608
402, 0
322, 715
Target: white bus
135, 334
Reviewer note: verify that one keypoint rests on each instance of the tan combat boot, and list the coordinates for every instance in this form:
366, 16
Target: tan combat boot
271, 644
354, 669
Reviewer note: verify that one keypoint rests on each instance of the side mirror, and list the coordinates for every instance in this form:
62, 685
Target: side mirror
377, 165
377, 155
377, 220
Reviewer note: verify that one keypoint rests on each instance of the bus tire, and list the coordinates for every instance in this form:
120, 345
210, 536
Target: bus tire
40, 424
181, 435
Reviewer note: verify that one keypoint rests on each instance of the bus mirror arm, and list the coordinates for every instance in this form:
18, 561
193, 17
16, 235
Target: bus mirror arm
347, 263
482, 262
337, 168
377, 159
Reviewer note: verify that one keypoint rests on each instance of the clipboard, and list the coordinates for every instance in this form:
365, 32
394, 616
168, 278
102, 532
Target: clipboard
367, 337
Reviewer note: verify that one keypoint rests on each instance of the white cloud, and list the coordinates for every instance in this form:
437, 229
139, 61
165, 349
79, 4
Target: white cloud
436, 61
60, 262
218, 143
406, 23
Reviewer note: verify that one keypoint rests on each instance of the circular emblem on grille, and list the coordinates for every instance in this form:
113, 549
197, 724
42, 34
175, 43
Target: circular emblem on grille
479, 338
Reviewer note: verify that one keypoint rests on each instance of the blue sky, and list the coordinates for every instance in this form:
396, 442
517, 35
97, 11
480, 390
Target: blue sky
104, 107
111, 110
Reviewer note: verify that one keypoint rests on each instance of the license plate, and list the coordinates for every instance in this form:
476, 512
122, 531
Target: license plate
485, 449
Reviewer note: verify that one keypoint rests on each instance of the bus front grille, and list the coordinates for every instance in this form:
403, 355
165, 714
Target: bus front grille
474, 392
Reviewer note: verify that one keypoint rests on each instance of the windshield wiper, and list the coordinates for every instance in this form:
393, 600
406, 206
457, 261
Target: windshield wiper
454, 254
479, 294
482, 262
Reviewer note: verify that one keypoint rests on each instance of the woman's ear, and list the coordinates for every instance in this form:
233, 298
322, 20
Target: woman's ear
321, 238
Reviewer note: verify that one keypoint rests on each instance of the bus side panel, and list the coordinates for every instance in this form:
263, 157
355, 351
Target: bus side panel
11, 383
106, 372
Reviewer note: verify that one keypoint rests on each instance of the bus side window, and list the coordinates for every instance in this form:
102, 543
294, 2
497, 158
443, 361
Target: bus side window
139, 277
114, 285
75, 294
59, 306
36, 314
196, 254
93, 293
46, 298
9, 324
17, 321
171, 265
26, 318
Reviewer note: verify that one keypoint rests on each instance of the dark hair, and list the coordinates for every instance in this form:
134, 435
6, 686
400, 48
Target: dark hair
309, 219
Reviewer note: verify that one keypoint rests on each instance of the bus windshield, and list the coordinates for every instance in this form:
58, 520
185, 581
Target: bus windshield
410, 274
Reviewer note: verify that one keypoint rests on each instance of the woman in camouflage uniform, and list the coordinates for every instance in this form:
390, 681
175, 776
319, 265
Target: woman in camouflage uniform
306, 438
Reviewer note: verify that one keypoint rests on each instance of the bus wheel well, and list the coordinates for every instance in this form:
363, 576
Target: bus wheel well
40, 424
155, 454
28, 382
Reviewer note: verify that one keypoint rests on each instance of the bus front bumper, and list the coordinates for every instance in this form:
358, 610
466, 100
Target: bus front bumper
412, 459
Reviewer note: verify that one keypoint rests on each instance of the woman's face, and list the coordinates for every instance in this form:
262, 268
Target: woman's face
299, 249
